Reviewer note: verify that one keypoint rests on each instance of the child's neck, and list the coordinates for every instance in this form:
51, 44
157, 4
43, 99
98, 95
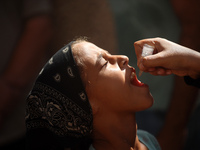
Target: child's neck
118, 132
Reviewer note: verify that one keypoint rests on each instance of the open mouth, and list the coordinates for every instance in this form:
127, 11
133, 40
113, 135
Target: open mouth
134, 80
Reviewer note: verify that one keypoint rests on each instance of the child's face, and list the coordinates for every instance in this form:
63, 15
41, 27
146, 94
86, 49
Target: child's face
110, 82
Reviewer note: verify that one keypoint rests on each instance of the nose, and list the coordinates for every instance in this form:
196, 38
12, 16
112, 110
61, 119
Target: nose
121, 60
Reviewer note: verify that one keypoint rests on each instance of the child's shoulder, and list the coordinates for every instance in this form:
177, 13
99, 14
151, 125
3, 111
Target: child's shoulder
148, 140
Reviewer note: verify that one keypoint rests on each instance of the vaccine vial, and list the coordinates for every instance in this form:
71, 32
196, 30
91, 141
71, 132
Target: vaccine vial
146, 51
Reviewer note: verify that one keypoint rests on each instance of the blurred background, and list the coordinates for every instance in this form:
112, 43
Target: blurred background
33, 30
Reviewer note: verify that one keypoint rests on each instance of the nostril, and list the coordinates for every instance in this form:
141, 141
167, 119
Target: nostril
125, 62
122, 61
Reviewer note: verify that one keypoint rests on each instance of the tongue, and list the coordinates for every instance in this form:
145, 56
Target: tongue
136, 82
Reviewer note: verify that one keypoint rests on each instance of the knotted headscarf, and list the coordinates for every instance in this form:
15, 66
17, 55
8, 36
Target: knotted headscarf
58, 102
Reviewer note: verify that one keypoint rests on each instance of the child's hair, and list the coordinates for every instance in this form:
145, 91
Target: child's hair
81, 66
78, 60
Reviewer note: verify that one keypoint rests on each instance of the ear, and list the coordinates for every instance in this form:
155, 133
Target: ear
93, 101
95, 107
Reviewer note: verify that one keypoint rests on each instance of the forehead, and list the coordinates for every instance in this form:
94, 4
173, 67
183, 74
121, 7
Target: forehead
87, 51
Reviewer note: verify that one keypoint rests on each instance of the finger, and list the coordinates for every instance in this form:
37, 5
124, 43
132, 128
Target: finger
153, 73
143, 68
151, 69
161, 72
140, 43
139, 46
168, 72
155, 60
138, 51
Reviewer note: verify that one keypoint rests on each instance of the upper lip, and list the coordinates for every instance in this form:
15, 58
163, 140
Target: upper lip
133, 77
132, 71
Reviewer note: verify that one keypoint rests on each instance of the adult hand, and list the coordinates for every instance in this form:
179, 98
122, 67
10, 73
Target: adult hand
168, 58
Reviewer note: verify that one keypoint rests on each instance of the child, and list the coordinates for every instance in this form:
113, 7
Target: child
86, 94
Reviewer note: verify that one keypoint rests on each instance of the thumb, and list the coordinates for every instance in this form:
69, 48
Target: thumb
153, 61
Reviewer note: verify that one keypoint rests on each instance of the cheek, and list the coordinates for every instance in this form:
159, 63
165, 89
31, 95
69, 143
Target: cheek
111, 83
113, 76
104, 92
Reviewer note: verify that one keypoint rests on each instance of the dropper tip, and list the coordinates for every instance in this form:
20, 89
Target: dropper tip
140, 73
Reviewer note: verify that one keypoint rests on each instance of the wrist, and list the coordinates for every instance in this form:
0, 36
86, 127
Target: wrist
194, 69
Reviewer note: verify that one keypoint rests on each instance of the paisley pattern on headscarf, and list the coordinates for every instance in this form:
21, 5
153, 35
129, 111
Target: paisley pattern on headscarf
58, 101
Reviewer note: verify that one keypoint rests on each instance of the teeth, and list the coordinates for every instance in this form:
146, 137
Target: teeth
132, 75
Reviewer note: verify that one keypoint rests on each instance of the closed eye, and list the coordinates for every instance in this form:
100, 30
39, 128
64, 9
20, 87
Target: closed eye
105, 63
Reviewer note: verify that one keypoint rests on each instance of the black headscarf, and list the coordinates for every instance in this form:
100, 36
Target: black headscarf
57, 108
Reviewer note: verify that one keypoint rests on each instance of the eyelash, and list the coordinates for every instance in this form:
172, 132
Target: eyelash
105, 63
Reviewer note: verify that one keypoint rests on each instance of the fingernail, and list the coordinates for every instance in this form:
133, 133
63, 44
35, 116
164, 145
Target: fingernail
159, 72
168, 72
151, 69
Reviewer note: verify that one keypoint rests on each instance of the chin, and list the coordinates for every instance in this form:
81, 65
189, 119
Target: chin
150, 99
151, 102
148, 102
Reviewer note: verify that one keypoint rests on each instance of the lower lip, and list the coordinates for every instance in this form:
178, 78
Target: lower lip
144, 85
141, 85
136, 82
